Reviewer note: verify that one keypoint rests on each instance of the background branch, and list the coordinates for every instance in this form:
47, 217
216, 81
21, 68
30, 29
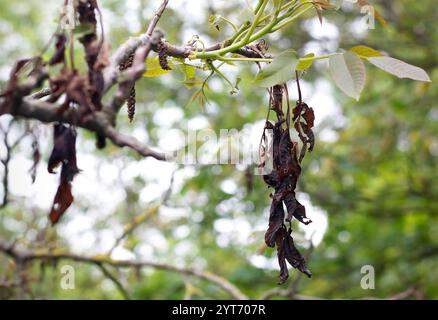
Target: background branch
26, 256
116, 282
6, 160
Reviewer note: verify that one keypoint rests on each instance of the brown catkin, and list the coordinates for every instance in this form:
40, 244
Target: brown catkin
127, 63
162, 56
131, 104
131, 99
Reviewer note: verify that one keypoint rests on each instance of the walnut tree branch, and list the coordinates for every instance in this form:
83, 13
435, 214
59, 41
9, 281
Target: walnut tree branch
98, 122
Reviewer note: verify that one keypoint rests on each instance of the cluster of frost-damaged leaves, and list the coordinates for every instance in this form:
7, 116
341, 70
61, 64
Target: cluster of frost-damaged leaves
82, 91
284, 175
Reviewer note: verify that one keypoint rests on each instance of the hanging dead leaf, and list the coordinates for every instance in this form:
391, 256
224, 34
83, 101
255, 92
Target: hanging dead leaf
64, 154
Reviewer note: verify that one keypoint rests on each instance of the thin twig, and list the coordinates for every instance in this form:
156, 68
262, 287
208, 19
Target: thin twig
411, 292
156, 18
116, 282
6, 160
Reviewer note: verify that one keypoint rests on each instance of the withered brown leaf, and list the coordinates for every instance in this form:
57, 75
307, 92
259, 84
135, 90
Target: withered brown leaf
281, 256
295, 209
63, 200
286, 251
64, 153
293, 256
276, 221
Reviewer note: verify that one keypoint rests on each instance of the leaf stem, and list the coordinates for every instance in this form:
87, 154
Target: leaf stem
244, 59
259, 4
221, 75
272, 26
306, 7
229, 22
256, 21
326, 56
243, 28
283, 7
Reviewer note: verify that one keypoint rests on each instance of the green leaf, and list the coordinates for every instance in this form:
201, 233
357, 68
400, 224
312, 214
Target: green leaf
193, 82
153, 68
348, 72
281, 70
366, 52
190, 71
400, 68
305, 64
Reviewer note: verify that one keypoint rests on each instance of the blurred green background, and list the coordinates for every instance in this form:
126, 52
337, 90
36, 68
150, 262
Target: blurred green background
370, 185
